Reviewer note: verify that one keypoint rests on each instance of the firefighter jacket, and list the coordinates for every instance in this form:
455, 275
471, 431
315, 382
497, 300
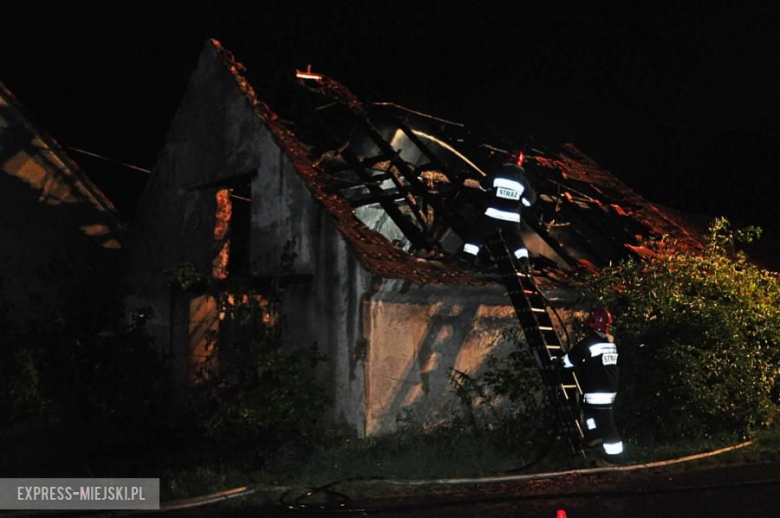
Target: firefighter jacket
507, 193
595, 359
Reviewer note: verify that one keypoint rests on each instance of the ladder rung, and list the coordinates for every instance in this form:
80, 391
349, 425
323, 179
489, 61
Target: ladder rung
531, 312
574, 375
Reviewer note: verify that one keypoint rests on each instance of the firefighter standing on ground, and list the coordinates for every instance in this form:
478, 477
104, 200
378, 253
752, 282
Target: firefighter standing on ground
507, 192
595, 360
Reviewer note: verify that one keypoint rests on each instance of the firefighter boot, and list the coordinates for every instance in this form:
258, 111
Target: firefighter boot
524, 265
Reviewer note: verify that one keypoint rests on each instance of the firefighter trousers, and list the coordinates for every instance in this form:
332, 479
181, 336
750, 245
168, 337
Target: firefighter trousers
600, 428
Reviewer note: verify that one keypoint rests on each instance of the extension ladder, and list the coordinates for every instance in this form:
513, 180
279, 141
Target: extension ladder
563, 388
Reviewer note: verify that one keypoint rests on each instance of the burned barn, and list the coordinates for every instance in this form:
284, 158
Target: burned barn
60, 234
353, 211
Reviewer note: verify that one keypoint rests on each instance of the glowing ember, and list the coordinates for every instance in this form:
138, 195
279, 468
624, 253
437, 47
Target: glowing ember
222, 216
308, 74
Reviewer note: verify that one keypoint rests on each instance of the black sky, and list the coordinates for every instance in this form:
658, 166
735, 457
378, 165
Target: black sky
681, 103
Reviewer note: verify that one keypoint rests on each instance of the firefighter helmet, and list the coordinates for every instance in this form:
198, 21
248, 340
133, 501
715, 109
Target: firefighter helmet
515, 158
600, 319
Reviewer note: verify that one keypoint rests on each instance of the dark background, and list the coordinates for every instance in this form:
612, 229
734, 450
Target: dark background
679, 102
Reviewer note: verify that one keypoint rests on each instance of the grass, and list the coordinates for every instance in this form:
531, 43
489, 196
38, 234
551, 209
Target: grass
404, 455
408, 455
360, 465
451, 452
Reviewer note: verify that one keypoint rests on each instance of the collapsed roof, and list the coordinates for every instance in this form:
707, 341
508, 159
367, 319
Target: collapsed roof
393, 179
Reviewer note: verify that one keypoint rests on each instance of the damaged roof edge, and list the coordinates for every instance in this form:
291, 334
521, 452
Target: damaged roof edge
581, 167
375, 252
378, 255
91, 191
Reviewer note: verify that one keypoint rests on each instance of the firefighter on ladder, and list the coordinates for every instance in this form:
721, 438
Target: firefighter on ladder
507, 193
594, 358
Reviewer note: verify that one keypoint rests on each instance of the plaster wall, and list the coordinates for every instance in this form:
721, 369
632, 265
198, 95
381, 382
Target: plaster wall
415, 336
283, 216
215, 138
325, 308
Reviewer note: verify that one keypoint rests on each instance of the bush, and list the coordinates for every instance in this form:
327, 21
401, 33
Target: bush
64, 374
508, 396
21, 397
250, 396
115, 381
699, 338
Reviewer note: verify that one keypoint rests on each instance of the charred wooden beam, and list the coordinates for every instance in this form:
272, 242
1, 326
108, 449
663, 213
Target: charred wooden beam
370, 199
537, 226
337, 185
416, 235
365, 162
403, 169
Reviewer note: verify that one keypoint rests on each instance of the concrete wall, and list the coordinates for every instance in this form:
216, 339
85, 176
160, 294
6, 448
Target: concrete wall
214, 137
416, 335
326, 309
283, 216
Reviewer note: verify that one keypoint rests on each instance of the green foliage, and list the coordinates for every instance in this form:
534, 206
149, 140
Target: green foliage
21, 397
250, 395
699, 338
63, 374
78, 389
185, 277
114, 381
508, 395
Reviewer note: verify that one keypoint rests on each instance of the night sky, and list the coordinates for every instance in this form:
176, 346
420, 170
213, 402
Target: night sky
683, 103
